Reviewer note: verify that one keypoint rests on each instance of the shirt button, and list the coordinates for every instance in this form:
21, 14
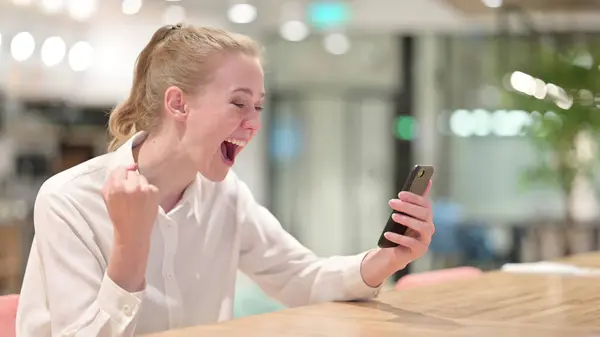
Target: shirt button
170, 276
127, 310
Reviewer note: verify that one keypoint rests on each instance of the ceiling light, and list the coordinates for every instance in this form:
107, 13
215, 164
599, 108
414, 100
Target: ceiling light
81, 56
461, 123
22, 46
294, 30
336, 44
492, 3
522, 82
131, 7
242, 13
52, 6
81, 10
53, 51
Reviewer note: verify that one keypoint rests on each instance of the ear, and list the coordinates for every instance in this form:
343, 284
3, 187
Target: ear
174, 104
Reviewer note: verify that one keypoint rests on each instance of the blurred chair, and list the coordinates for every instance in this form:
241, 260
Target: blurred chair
437, 276
251, 300
445, 248
476, 244
8, 315
10, 257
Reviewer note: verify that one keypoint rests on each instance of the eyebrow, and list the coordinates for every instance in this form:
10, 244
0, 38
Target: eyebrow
248, 91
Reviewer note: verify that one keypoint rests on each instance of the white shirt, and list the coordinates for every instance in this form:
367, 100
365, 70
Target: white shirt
196, 250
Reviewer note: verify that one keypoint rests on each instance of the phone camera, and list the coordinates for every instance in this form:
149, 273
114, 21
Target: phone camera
421, 173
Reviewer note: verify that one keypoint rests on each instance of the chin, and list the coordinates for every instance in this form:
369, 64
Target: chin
215, 175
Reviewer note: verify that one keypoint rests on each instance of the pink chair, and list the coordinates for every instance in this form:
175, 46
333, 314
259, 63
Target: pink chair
8, 315
437, 276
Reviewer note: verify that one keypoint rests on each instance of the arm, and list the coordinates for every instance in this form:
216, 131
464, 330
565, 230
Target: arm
66, 291
288, 271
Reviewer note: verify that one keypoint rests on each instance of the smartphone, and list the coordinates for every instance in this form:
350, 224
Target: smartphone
416, 182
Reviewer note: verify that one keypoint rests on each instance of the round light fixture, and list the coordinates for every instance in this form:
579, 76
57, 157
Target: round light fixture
53, 51
81, 56
336, 44
294, 30
22, 46
242, 13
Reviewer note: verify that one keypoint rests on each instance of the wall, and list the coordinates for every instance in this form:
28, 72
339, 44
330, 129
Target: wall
483, 174
333, 196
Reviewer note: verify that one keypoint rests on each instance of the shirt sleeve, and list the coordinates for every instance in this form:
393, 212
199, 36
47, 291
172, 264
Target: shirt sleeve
65, 290
288, 271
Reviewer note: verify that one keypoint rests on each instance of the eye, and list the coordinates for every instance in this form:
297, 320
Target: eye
239, 105
258, 108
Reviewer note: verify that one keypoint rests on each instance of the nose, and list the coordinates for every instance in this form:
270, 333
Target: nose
253, 124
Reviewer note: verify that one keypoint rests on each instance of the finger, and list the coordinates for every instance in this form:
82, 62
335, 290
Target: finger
412, 210
142, 180
145, 186
414, 199
402, 240
423, 229
133, 176
119, 174
132, 182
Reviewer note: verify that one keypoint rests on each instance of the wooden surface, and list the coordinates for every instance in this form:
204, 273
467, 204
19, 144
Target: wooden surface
495, 304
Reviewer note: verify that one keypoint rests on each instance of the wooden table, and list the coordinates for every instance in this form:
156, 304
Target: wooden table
495, 304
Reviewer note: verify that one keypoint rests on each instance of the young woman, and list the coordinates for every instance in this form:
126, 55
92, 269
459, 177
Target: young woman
149, 236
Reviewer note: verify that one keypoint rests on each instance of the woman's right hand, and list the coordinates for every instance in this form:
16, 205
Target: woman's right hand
132, 205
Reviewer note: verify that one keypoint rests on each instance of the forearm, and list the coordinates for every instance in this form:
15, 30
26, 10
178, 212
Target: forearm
127, 265
288, 271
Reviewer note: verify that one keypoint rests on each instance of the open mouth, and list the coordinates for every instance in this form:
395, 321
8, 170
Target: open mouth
230, 148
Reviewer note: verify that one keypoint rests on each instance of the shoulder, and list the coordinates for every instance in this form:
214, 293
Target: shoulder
84, 176
72, 193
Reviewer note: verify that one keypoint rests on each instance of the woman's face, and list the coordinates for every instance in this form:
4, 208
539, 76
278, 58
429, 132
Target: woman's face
224, 116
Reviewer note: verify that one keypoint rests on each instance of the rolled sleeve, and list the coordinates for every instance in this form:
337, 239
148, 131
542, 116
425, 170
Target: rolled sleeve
119, 304
66, 291
353, 281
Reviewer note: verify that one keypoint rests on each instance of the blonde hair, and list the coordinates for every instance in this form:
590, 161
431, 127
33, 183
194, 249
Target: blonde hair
181, 56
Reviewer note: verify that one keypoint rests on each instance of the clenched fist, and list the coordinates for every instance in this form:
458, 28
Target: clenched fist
132, 204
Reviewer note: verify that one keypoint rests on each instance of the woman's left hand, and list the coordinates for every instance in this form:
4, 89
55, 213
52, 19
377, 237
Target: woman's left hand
381, 263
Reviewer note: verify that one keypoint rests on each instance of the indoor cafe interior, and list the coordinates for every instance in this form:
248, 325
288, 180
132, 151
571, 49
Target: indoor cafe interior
498, 96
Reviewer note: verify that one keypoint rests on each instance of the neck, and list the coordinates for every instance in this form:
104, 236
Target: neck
165, 166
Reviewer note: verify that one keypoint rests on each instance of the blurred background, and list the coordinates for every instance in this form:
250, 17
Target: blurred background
500, 96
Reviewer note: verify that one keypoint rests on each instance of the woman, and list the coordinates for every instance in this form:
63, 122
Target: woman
149, 236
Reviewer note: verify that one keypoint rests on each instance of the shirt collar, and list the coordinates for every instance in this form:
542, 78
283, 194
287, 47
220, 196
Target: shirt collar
123, 156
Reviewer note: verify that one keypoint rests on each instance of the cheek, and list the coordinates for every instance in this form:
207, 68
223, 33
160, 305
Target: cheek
257, 124
230, 121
